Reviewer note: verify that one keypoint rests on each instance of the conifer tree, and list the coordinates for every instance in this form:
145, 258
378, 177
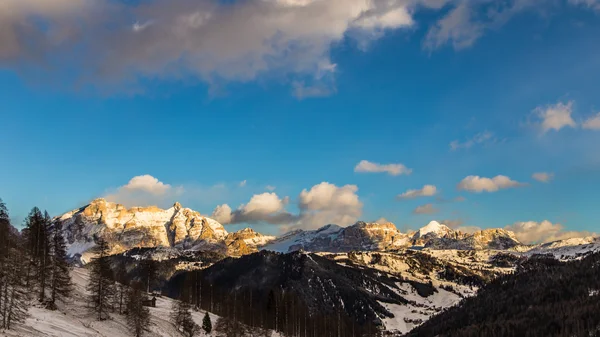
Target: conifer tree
138, 316
60, 286
36, 233
101, 285
181, 316
206, 323
13, 293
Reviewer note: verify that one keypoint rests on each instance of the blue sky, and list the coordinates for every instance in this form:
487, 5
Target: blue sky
515, 87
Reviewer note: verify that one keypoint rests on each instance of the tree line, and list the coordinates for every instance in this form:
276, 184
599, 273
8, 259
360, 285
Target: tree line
33, 265
255, 313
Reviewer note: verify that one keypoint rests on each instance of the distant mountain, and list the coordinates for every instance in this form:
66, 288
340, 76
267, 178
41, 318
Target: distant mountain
386, 237
149, 227
332, 238
185, 229
498, 239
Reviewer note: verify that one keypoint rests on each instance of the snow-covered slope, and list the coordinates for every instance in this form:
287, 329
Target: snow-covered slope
73, 319
568, 249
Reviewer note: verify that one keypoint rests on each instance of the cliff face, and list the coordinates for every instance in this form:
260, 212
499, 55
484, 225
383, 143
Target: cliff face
147, 227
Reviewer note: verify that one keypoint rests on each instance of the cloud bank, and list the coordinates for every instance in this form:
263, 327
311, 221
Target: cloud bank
102, 41
532, 232
322, 204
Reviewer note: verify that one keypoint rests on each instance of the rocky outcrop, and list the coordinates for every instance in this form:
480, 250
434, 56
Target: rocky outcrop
497, 239
245, 241
332, 238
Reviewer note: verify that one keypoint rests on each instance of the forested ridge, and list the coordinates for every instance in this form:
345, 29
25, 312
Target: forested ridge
544, 297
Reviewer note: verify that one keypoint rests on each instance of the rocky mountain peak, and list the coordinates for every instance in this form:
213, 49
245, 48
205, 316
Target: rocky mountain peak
433, 228
138, 227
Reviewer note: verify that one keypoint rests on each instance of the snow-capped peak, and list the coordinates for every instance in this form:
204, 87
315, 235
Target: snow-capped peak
433, 227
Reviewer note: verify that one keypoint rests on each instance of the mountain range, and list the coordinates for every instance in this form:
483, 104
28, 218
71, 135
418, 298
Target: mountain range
362, 278
185, 229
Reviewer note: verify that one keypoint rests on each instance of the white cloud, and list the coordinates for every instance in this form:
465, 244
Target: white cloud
223, 214
592, 123
270, 188
426, 191
243, 183
265, 207
144, 190
543, 177
479, 184
479, 138
425, 209
366, 166
555, 117
531, 232
326, 203
147, 183
323, 204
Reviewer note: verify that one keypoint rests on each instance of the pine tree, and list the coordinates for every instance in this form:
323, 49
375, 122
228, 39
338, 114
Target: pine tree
149, 272
101, 285
138, 316
13, 293
181, 316
206, 323
37, 237
60, 286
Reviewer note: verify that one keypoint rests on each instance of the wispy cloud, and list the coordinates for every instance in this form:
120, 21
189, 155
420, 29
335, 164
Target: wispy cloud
479, 138
425, 209
593, 122
426, 191
543, 177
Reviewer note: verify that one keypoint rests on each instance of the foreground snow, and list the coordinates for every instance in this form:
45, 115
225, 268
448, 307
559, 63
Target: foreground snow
73, 319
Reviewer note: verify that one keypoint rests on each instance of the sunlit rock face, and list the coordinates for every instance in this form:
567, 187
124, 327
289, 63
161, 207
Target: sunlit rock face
136, 227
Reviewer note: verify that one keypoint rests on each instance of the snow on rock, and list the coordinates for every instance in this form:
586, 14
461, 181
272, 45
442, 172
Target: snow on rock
333, 238
433, 227
567, 249
143, 227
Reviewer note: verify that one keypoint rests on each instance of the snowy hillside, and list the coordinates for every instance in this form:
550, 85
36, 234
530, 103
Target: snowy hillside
72, 319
